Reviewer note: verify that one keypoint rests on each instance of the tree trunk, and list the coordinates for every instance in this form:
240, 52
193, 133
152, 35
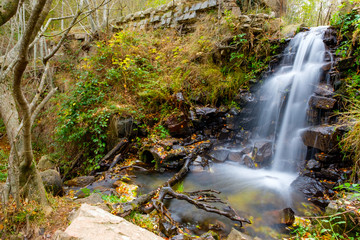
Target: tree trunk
23, 178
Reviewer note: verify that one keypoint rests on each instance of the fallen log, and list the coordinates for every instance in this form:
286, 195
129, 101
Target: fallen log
115, 155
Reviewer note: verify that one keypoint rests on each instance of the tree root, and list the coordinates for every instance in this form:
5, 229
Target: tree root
199, 198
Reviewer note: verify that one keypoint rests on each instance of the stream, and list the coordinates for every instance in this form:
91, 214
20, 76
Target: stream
255, 193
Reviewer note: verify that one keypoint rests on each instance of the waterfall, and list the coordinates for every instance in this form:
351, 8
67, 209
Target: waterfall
287, 92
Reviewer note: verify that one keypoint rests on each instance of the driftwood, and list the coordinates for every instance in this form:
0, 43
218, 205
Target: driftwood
202, 205
115, 154
137, 203
198, 198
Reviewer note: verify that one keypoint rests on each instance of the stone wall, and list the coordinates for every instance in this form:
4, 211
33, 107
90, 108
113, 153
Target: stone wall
174, 14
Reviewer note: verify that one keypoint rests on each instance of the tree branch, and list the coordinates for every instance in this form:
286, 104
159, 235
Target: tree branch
168, 190
20, 66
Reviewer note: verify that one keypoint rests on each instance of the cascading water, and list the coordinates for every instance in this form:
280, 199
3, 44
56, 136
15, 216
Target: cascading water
288, 91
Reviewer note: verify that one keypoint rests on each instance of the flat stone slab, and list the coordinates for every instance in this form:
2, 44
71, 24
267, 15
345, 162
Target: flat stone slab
93, 223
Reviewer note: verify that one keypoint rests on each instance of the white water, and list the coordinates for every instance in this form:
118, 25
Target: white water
288, 92
283, 116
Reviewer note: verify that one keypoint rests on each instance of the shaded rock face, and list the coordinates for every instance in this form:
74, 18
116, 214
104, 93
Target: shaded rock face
178, 126
322, 102
90, 222
52, 182
322, 137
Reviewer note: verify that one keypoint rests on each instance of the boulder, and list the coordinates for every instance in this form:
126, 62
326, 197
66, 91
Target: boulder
308, 186
323, 138
178, 125
52, 182
262, 151
219, 155
322, 102
45, 163
90, 222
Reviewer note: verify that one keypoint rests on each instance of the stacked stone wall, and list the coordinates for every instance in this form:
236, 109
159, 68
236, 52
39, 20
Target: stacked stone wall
174, 14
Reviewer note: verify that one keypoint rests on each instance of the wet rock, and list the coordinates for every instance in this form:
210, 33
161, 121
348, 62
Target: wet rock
90, 221
52, 182
178, 126
248, 161
235, 156
244, 97
236, 235
80, 181
243, 136
308, 186
312, 164
219, 155
322, 102
262, 151
323, 138
167, 228
206, 112
285, 216
324, 90
327, 67
45, 163
234, 111
328, 174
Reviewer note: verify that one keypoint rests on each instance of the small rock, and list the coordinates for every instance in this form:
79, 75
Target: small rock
236, 235
235, 156
324, 90
80, 181
262, 151
312, 164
